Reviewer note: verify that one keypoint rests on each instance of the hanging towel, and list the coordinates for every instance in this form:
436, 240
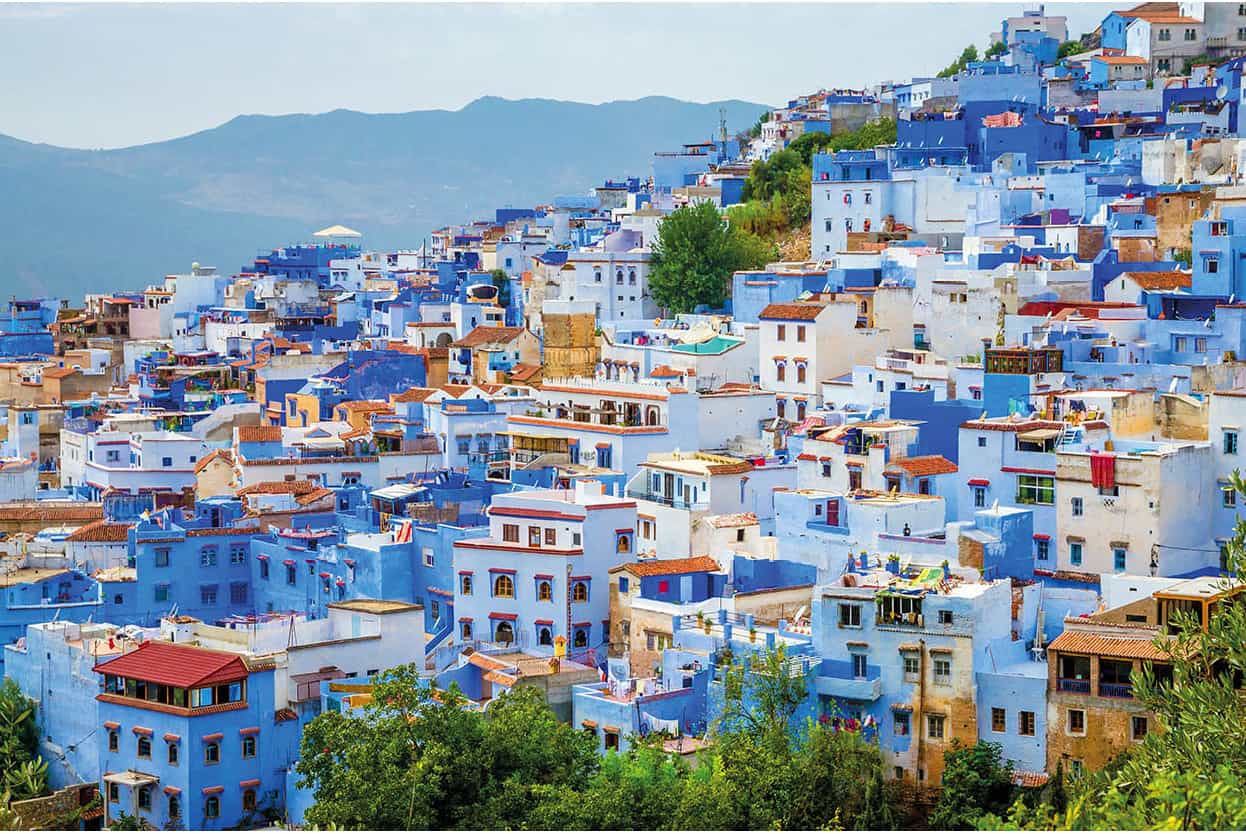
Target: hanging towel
1102, 470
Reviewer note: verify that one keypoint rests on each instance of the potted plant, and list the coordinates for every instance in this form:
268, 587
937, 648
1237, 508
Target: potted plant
752, 634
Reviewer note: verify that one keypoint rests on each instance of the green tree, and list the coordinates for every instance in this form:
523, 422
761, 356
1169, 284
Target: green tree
1068, 48
967, 56
995, 50
1188, 773
415, 758
694, 256
22, 773
503, 283
976, 781
639, 789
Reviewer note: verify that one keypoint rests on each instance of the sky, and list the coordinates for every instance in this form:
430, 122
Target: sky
112, 75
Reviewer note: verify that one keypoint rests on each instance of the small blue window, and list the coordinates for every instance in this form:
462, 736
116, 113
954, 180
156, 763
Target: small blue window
623, 584
1075, 553
1118, 559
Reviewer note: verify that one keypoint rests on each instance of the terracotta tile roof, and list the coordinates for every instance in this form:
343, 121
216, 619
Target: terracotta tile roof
313, 496
525, 371
100, 531
924, 465
1122, 60
216, 454
364, 405
1173, 280
799, 311
1084, 642
664, 371
176, 665
300, 487
1029, 779
413, 395
669, 567
733, 520
259, 434
37, 511
58, 373
488, 336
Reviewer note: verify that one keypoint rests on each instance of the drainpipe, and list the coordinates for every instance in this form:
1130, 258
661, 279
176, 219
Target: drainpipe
921, 706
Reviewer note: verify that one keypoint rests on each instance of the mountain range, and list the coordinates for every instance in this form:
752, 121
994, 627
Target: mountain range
96, 220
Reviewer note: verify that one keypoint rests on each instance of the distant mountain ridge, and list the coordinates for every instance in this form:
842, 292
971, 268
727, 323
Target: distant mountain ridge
94, 220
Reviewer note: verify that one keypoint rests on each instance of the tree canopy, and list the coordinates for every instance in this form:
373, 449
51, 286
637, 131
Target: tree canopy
967, 56
23, 774
695, 254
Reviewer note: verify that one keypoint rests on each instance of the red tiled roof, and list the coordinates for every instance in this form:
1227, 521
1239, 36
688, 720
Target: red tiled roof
100, 531
669, 567
25, 511
215, 454
485, 335
796, 310
524, 371
1125, 60
279, 488
58, 373
176, 665
413, 395
1167, 280
1082, 642
259, 434
924, 465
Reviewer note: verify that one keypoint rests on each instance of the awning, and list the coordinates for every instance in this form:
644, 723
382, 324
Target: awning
133, 778
1038, 435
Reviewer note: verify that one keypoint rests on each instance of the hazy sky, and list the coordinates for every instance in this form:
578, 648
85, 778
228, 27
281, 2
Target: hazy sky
114, 75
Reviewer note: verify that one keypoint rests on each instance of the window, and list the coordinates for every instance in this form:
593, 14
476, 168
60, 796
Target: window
869, 197
112, 741
860, 667
934, 726
1137, 727
166, 462
575, 539
981, 442
429, 558
207, 594
504, 586
212, 807
114, 792
800, 333
248, 747
175, 807
1230, 443
782, 333
1042, 550
534, 537
1165, 35
551, 537
237, 554
623, 584
1076, 506
290, 574
800, 373
942, 670
1075, 553
435, 610
162, 592
238, 593
144, 747
849, 616
999, 720
579, 592
207, 557
144, 798
263, 568
1076, 722
780, 372
1213, 265
1036, 489
465, 630
945, 616
172, 752
1228, 496
580, 640
465, 584
1118, 559
510, 532
912, 667
1025, 723
544, 591
248, 799
900, 723
979, 496
212, 753
162, 557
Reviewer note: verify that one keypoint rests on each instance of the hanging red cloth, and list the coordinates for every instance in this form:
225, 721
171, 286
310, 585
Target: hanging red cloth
1102, 470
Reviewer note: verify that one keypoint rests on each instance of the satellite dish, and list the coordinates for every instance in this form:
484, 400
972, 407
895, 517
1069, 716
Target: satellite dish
1221, 91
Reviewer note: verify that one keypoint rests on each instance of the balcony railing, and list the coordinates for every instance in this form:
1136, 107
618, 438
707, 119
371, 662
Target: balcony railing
676, 502
1072, 685
1116, 690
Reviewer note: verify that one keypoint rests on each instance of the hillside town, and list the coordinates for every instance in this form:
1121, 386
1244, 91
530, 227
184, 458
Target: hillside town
957, 467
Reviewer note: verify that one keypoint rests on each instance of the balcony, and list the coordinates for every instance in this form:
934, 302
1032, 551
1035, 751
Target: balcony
1072, 685
673, 502
836, 680
1115, 690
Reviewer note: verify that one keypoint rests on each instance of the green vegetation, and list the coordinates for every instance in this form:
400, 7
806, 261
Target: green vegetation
967, 56
412, 760
23, 774
1068, 48
695, 254
976, 781
1192, 773
777, 191
996, 49
503, 284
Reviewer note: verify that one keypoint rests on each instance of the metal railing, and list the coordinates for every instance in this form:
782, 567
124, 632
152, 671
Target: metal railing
1072, 685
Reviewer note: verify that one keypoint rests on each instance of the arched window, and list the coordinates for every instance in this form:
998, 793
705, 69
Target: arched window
212, 807
624, 544
175, 807
544, 593
618, 277
144, 798
631, 276
248, 799
465, 631
504, 586
504, 632
466, 582
847, 224
211, 753
800, 412
580, 640
579, 592
543, 637
651, 415
144, 747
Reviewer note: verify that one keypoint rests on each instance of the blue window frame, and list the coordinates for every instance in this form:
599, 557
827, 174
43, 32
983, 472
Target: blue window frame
1075, 553
1118, 559
207, 557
